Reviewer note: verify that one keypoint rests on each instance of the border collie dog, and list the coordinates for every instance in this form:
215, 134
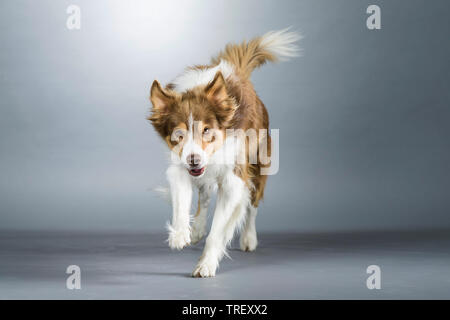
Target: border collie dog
199, 115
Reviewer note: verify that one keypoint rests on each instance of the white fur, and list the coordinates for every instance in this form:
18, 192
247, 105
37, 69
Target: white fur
232, 200
192, 77
232, 203
181, 194
191, 146
162, 192
198, 229
249, 240
281, 43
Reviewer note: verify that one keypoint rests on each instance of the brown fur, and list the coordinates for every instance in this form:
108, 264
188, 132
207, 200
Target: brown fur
246, 56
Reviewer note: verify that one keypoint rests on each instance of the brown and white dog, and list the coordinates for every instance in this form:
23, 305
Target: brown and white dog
201, 115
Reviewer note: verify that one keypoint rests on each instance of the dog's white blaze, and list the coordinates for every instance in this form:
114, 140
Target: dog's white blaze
191, 123
193, 78
191, 146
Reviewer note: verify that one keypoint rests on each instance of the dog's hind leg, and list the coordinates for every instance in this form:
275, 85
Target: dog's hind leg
198, 229
249, 240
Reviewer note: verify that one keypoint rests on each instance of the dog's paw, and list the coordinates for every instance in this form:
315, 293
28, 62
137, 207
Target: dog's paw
197, 233
178, 239
205, 268
248, 241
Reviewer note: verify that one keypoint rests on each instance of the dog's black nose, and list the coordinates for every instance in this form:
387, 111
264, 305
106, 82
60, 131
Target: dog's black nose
193, 160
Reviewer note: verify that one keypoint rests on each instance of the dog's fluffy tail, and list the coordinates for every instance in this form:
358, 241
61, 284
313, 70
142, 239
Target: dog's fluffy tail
273, 46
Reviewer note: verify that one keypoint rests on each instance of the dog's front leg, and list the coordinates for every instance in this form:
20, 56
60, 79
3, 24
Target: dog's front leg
181, 194
228, 214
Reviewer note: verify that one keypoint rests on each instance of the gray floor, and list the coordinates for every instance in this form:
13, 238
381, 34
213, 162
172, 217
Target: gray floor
285, 266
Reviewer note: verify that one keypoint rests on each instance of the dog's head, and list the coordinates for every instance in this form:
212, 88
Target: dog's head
193, 123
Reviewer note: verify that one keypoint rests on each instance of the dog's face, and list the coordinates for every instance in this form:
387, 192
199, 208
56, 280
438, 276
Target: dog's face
193, 124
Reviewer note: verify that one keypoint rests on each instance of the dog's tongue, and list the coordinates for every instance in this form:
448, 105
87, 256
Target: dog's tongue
196, 172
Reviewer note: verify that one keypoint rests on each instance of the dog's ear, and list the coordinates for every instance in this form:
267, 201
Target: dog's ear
216, 90
160, 99
163, 102
224, 105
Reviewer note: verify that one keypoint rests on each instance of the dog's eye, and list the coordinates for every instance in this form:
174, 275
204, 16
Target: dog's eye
206, 130
178, 135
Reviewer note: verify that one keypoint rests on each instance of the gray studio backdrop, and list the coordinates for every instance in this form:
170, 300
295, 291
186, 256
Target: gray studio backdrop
363, 115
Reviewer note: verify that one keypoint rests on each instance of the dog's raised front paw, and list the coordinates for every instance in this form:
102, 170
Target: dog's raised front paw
178, 239
205, 268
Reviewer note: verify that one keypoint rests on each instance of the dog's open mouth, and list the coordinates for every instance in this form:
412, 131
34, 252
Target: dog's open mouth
196, 172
